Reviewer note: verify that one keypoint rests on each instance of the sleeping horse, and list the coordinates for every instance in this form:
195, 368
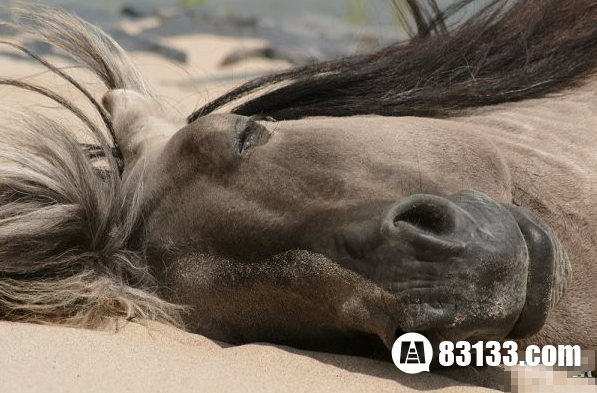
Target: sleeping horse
443, 185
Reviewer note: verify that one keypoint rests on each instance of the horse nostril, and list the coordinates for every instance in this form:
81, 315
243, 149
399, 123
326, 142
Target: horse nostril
428, 223
429, 217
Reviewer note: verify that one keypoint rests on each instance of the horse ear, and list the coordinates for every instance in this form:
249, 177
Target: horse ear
136, 120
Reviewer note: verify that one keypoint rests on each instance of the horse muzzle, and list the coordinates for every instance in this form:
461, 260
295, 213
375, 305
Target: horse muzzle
463, 267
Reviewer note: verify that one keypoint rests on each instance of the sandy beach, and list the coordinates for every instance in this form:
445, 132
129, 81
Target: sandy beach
156, 358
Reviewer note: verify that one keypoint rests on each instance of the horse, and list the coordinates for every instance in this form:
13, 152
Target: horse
441, 185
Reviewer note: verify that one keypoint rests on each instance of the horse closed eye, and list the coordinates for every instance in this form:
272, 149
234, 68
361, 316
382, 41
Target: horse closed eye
251, 135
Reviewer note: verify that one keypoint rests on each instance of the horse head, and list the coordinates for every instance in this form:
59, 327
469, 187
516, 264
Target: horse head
243, 190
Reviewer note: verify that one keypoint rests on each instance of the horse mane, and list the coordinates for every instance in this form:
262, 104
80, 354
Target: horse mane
65, 223
64, 231
504, 52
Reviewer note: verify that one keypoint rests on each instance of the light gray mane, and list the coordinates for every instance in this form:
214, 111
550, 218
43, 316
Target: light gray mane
64, 228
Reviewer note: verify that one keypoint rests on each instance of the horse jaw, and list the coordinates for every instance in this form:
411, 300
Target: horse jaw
140, 124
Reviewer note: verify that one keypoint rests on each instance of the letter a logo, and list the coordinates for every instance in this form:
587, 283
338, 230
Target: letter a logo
412, 353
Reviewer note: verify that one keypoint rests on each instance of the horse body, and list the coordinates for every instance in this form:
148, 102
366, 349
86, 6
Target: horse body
440, 157
433, 156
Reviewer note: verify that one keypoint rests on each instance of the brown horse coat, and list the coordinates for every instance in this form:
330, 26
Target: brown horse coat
538, 153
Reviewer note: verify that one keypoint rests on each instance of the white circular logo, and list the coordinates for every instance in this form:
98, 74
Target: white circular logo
412, 353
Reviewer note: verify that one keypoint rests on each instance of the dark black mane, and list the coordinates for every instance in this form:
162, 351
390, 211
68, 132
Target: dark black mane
506, 52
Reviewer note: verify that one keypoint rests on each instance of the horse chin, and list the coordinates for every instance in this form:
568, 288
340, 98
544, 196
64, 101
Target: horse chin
463, 267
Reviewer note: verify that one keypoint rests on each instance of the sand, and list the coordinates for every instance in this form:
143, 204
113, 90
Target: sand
157, 358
